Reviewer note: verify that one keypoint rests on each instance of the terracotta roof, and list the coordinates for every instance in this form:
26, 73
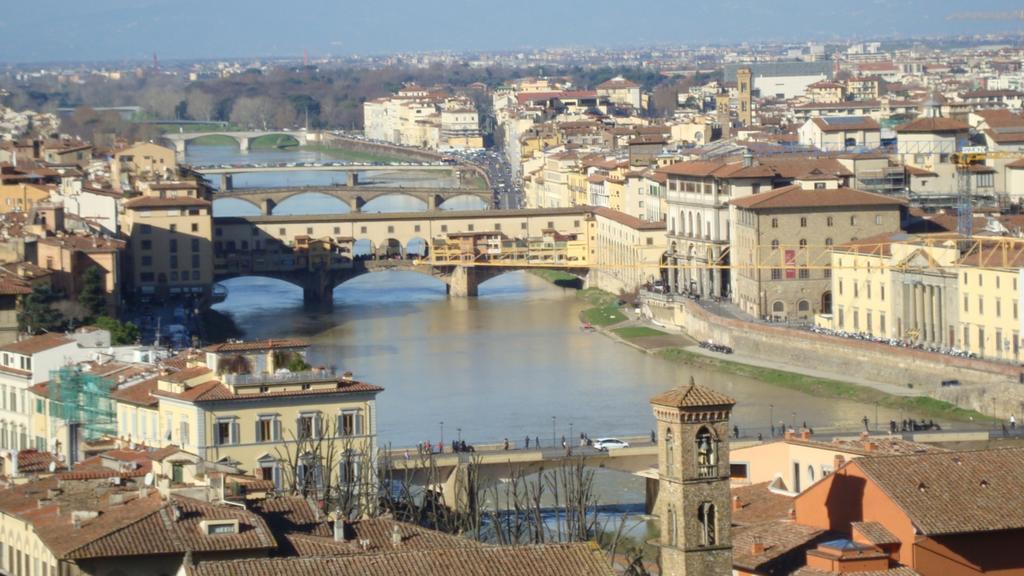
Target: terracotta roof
915, 171
692, 396
290, 515
779, 538
794, 196
378, 531
33, 461
954, 492
1006, 135
898, 571
214, 390
628, 220
186, 374
36, 344
874, 532
150, 202
164, 532
140, 394
758, 504
258, 345
862, 123
617, 83
85, 243
933, 125
538, 560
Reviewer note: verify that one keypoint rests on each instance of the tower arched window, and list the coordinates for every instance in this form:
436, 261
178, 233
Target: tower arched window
706, 517
670, 452
707, 454
673, 526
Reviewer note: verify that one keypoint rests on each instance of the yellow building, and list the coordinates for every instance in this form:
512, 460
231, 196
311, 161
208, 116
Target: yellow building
258, 405
628, 251
22, 197
936, 290
145, 159
169, 232
989, 280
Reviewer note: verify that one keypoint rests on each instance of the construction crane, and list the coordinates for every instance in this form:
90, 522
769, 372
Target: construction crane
964, 160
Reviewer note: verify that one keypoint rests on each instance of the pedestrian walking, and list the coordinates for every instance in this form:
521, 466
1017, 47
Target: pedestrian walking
563, 442
506, 443
735, 431
865, 421
1013, 422
527, 442
653, 437
536, 441
759, 438
773, 431
406, 454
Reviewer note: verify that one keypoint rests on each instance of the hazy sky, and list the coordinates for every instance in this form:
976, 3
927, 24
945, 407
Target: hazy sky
46, 30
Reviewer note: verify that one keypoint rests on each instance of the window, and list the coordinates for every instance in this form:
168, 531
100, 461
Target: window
966, 307
522, 226
147, 244
819, 185
706, 519
268, 429
981, 305
444, 227
673, 528
308, 426
707, 458
804, 274
350, 423
183, 433
195, 260
195, 227
775, 244
173, 246
309, 230
878, 220
829, 221
828, 242
803, 222
224, 432
391, 229
803, 243
776, 274
40, 406
174, 228
967, 336
337, 229
999, 307
362, 229
471, 227
853, 220
283, 232
147, 260
775, 222
416, 228
195, 244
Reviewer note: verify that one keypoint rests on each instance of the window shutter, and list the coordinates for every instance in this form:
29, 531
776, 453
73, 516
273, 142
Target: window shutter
235, 433
339, 421
277, 430
359, 422
316, 425
257, 433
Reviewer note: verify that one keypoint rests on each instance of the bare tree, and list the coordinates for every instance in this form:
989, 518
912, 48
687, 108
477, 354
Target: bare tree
200, 105
252, 111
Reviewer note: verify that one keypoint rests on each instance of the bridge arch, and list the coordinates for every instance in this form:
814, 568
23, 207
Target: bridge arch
366, 202
293, 204
235, 206
462, 202
277, 138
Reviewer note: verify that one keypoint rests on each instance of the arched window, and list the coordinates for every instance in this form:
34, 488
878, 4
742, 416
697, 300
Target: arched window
810, 474
778, 306
803, 243
670, 452
828, 241
830, 221
775, 244
803, 222
803, 306
707, 454
706, 518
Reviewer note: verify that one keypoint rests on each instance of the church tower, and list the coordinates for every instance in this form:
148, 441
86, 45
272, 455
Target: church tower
694, 502
744, 90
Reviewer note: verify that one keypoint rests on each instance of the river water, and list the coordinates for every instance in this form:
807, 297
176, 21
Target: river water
508, 364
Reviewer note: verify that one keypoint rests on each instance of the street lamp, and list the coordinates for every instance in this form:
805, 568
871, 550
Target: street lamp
771, 418
442, 435
459, 430
794, 420
553, 442
570, 432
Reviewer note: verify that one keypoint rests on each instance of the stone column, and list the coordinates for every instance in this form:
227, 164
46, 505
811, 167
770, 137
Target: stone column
911, 312
940, 318
672, 271
929, 316
922, 318
463, 282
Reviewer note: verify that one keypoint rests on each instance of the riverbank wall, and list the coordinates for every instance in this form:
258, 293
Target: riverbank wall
988, 387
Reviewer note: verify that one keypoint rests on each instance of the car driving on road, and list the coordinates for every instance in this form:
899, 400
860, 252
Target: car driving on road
605, 444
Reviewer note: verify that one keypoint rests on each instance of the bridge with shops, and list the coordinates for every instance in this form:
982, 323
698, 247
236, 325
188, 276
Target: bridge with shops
351, 170
462, 249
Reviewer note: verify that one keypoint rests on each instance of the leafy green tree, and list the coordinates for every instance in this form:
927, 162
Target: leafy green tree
92, 296
38, 314
121, 333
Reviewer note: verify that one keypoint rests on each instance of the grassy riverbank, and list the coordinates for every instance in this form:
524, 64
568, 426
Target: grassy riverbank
828, 388
605, 310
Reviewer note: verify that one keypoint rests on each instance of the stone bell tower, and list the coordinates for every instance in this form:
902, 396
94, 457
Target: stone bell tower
694, 503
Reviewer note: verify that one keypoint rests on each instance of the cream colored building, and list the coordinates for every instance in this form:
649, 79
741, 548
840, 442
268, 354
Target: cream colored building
990, 299
629, 250
837, 133
170, 235
621, 91
928, 144
240, 403
418, 117
145, 159
780, 249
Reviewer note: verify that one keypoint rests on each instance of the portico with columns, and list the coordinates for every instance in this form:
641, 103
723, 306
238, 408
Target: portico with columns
926, 303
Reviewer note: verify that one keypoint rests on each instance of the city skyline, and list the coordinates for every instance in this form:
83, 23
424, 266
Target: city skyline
105, 30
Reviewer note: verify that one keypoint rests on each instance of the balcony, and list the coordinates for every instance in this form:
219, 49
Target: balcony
242, 380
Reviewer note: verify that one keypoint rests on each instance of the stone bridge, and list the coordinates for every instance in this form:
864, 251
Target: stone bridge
318, 253
180, 140
266, 199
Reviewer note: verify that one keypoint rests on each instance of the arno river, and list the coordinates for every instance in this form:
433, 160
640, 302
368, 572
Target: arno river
498, 366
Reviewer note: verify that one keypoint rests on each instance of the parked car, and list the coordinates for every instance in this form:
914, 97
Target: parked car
948, 383
606, 444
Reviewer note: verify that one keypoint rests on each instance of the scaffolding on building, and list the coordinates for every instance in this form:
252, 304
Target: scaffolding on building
81, 401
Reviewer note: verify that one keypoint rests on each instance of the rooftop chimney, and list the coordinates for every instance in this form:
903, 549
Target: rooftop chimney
757, 548
737, 504
838, 461
748, 159
396, 536
805, 434
788, 435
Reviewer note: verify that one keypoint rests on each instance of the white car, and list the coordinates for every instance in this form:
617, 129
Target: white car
605, 444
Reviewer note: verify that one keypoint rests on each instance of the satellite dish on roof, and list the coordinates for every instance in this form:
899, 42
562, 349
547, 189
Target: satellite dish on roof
148, 479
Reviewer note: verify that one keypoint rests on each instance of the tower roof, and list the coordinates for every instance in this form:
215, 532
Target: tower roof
691, 396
